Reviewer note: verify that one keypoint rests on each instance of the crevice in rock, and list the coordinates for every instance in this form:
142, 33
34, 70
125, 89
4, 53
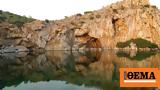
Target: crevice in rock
94, 43
88, 41
114, 25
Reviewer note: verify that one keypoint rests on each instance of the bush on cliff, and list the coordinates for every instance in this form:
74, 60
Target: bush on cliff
2, 19
14, 19
141, 43
87, 12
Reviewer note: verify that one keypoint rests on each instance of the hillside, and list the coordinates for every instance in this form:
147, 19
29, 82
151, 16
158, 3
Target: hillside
14, 18
129, 24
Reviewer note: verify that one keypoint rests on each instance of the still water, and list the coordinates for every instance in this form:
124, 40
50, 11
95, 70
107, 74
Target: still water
65, 70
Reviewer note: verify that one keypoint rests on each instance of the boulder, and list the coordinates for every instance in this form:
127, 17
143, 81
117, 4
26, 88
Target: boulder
133, 46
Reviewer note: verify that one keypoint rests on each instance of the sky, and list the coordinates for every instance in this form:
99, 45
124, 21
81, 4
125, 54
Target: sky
55, 9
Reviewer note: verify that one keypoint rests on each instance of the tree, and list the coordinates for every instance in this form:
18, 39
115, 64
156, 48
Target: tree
1, 11
2, 18
46, 20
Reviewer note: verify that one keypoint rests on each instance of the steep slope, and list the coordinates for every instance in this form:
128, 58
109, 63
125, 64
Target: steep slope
107, 28
10, 27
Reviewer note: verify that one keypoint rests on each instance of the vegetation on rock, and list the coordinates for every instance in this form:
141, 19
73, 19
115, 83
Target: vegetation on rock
14, 19
141, 43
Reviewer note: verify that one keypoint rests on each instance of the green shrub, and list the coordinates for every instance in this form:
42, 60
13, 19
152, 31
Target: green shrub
14, 19
91, 18
46, 20
18, 23
0, 11
147, 6
122, 44
66, 16
154, 6
141, 43
2, 18
87, 12
78, 14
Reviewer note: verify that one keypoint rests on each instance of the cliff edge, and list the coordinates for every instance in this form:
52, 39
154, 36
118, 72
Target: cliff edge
126, 24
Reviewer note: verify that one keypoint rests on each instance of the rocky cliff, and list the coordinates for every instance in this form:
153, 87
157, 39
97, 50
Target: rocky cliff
105, 28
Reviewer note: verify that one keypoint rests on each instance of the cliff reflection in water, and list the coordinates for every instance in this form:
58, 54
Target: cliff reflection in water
88, 69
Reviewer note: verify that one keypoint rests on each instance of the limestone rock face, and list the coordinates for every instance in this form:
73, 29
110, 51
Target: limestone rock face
133, 46
104, 28
136, 2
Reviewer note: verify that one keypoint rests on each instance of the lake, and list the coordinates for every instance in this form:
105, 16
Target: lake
66, 70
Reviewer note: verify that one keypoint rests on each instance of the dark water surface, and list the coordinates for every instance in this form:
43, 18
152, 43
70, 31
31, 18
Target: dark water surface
65, 70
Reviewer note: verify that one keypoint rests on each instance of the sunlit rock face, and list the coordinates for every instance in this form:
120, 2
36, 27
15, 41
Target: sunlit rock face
124, 23
104, 28
132, 3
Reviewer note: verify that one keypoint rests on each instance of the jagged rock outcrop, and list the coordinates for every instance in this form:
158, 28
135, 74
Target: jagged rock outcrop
104, 28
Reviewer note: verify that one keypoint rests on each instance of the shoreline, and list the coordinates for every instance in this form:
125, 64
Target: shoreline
15, 50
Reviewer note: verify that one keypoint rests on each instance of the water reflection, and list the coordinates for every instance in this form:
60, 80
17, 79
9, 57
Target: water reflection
72, 70
136, 55
51, 85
